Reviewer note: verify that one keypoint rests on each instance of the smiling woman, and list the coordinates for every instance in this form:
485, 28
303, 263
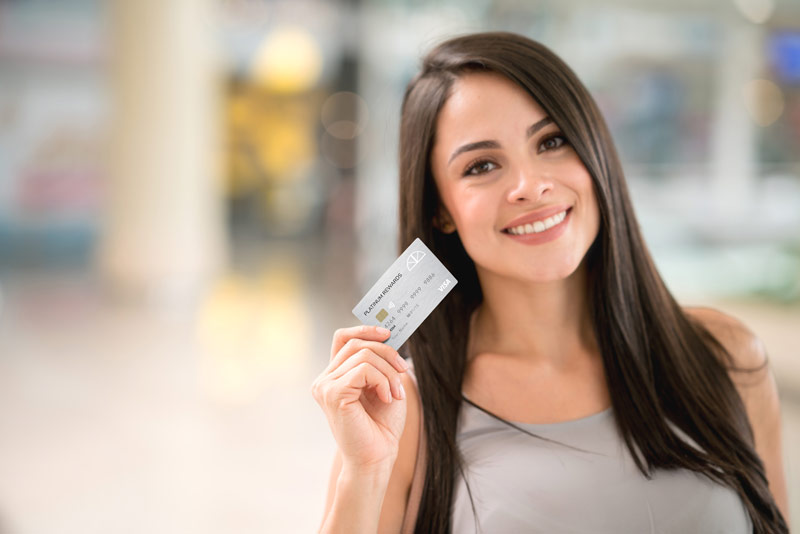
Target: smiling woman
506, 187
560, 374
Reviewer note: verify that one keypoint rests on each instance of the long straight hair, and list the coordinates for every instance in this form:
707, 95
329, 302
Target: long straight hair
660, 364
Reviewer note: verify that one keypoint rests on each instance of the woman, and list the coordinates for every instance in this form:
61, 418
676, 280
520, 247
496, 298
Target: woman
560, 386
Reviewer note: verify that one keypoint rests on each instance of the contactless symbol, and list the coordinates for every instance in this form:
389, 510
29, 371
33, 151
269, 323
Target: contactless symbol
414, 258
382, 315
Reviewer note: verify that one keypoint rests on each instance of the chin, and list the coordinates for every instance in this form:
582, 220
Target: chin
538, 275
545, 278
552, 273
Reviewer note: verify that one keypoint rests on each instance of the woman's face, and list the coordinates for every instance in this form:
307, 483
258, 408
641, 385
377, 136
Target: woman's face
506, 177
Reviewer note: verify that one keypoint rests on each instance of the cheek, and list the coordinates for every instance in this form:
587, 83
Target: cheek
470, 210
582, 182
593, 208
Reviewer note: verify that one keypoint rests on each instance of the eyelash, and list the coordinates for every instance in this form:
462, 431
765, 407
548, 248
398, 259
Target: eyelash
474, 164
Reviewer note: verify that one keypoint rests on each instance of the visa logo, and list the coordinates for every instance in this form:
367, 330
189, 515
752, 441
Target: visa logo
444, 285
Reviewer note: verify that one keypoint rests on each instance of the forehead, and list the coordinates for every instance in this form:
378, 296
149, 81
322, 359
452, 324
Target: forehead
484, 106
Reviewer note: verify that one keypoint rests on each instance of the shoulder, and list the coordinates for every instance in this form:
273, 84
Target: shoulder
396, 498
756, 385
748, 368
747, 352
409, 441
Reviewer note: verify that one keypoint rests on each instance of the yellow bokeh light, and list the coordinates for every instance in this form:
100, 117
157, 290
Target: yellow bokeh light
253, 333
289, 60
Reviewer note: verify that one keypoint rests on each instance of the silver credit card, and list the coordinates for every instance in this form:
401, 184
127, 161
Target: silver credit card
406, 293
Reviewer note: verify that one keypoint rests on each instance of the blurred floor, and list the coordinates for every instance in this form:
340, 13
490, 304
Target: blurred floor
194, 419
199, 418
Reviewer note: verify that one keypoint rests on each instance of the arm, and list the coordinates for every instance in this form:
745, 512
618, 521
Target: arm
759, 394
375, 502
357, 501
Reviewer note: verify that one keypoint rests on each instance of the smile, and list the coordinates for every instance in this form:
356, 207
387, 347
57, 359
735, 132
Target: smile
538, 226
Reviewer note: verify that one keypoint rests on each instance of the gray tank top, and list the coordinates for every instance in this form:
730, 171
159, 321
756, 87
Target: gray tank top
521, 484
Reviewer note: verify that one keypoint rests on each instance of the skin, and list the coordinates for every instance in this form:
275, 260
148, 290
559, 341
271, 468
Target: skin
758, 391
532, 356
545, 369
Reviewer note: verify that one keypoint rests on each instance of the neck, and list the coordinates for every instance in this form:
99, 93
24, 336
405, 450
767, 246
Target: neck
547, 323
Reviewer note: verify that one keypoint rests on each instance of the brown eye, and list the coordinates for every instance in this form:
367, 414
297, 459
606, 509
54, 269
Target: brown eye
479, 167
553, 142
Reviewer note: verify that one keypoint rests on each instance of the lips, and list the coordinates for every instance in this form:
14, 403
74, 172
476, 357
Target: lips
538, 215
534, 234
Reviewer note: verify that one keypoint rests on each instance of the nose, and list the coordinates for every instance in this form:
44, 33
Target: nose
530, 185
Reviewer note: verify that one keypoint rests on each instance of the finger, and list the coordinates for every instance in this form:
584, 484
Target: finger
381, 349
368, 356
365, 376
343, 335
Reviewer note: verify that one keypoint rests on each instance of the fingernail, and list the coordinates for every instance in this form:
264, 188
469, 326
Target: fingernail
402, 363
402, 392
383, 331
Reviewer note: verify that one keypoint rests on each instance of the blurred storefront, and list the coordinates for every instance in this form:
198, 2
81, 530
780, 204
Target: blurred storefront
703, 100
236, 161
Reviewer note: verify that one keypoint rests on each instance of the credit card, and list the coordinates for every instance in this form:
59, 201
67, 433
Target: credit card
406, 293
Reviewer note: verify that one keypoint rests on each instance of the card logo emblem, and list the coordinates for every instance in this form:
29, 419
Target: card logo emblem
401, 299
414, 259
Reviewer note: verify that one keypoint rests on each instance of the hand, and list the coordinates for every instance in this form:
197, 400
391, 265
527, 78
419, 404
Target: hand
362, 396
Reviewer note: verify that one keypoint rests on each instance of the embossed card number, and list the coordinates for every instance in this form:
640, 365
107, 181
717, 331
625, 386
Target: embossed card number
406, 293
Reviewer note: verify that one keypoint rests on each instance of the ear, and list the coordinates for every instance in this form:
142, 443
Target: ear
443, 221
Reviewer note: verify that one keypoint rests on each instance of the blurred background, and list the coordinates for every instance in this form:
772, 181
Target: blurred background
194, 194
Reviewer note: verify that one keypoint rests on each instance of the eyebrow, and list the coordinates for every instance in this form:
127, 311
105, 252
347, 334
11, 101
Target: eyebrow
490, 143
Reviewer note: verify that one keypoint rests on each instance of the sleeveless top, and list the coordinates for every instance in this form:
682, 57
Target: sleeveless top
580, 478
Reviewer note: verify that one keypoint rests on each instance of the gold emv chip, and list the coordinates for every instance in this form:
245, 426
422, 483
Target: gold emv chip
382, 315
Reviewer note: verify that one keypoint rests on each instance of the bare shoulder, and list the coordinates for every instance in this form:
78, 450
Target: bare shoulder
396, 499
744, 346
758, 389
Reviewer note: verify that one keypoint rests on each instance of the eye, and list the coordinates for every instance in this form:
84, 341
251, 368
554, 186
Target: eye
479, 166
552, 142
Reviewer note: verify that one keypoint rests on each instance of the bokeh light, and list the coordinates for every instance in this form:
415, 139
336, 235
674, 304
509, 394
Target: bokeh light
764, 101
289, 60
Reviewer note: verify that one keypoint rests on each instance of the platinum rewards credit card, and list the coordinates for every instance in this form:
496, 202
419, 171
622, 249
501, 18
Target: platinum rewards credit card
406, 293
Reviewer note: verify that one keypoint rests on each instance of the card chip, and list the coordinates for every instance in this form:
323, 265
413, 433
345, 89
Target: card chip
407, 288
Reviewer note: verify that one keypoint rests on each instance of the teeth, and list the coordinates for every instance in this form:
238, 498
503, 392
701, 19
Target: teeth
538, 226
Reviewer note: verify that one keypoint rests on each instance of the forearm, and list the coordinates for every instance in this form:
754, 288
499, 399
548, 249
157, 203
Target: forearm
356, 507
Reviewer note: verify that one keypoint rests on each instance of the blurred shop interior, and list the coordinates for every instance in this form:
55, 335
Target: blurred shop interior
194, 193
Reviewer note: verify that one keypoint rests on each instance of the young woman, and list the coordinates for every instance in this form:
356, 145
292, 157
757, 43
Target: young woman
559, 387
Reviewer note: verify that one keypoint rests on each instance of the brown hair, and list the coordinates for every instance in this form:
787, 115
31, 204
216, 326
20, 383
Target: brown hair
660, 364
